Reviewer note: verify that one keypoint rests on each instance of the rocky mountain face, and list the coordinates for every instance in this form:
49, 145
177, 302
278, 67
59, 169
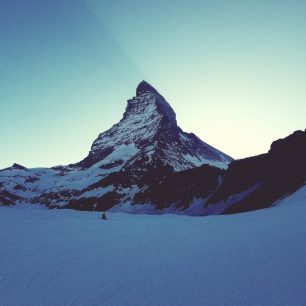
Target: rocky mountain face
126, 165
149, 132
260, 181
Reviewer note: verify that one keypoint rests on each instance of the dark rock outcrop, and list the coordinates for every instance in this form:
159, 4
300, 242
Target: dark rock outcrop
179, 189
144, 87
7, 198
258, 182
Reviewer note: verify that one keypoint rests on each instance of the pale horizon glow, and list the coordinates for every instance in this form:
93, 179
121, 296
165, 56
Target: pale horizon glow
234, 72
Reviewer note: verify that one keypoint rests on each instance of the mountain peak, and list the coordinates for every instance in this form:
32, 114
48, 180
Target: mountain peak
17, 166
143, 87
14, 167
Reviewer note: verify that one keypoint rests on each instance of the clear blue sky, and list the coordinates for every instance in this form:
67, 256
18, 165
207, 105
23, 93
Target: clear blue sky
234, 71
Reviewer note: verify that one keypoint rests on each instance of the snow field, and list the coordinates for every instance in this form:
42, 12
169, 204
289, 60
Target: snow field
65, 257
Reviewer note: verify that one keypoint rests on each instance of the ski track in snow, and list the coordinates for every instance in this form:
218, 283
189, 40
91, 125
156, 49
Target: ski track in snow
65, 257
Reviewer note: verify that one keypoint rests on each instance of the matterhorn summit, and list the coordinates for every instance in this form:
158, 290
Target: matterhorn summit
143, 147
149, 131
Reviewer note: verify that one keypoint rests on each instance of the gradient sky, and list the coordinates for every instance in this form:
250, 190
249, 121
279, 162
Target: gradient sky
233, 71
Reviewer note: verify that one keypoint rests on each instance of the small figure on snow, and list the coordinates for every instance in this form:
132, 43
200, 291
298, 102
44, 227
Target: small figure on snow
103, 217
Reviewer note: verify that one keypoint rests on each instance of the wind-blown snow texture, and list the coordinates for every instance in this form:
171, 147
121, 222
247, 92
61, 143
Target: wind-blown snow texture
65, 257
143, 146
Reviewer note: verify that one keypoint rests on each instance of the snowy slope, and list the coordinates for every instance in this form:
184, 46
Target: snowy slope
298, 197
56, 185
65, 257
